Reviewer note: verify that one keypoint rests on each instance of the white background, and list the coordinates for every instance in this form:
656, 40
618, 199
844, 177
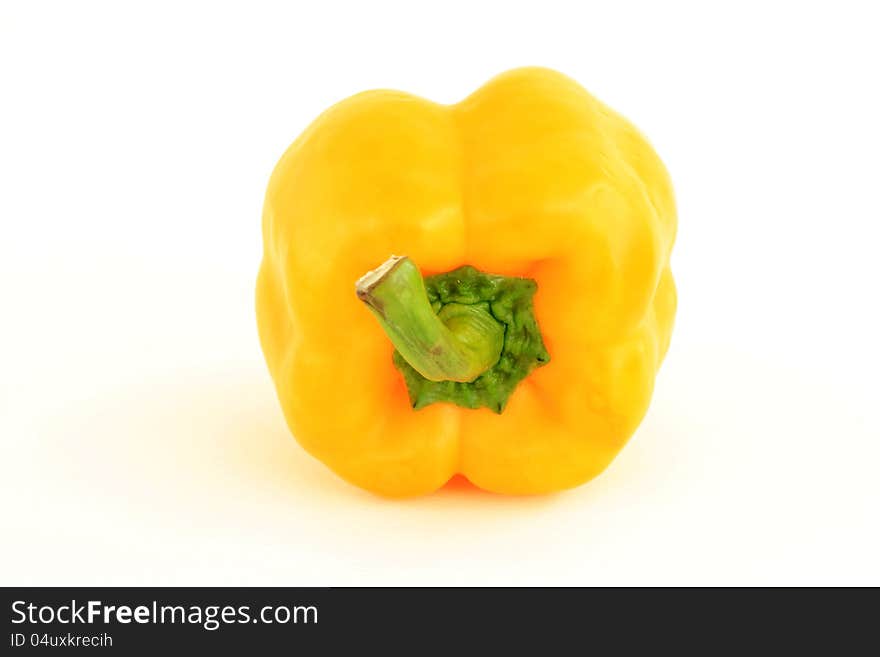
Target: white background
141, 439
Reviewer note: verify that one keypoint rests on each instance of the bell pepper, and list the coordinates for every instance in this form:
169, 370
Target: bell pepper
515, 337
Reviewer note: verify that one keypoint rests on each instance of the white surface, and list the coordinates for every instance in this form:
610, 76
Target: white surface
141, 439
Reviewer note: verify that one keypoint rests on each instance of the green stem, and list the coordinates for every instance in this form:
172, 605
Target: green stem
458, 344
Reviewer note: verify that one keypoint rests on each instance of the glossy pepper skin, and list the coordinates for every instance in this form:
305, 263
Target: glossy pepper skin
529, 177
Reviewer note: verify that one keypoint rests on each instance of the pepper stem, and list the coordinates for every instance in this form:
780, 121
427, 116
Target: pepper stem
458, 344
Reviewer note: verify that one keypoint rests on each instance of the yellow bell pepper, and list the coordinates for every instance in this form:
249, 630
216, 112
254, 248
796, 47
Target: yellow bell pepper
517, 341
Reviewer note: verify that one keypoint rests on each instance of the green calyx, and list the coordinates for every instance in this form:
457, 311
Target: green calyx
464, 337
